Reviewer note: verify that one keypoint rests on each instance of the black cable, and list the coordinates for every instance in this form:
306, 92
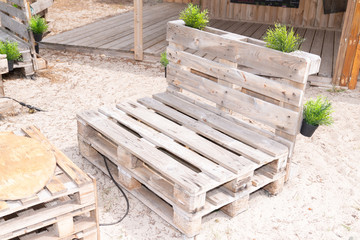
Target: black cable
123, 193
25, 105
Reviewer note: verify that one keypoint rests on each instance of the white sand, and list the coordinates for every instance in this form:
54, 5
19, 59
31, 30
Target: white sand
321, 201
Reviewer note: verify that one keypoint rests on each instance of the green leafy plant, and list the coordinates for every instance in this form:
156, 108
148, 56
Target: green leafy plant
11, 50
194, 17
38, 24
318, 111
282, 39
163, 60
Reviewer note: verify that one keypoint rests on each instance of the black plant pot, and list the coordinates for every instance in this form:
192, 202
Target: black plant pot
165, 72
38, 37
307, 130
11, 65
37, 48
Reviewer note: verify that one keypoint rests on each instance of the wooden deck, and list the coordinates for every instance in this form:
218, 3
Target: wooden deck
115, 36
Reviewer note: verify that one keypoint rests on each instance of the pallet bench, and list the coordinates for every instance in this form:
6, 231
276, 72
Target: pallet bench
187, 152
65, 209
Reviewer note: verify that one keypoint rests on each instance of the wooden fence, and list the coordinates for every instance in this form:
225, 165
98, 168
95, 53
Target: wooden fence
310, 13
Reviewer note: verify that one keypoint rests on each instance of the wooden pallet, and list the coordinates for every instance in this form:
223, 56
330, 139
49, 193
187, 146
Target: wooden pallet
179, 174
65, 209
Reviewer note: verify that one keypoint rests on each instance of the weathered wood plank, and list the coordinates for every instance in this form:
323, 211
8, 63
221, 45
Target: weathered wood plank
257, 109
224, 125
327, 55
223, 157
265, 86
41, 5
205, 130
13, 11
160, 140
14, 26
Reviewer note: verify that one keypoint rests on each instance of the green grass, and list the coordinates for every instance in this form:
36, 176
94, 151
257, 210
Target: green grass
163, 60
11, 50
282, 39
194, 17
38, 24
318, 111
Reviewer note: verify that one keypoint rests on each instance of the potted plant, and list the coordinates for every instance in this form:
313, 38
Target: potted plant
38, 26
11, 50
282, 39
164, 61
316, 112
194, 17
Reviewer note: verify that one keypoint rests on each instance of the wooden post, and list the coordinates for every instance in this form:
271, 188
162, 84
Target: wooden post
356, 68
138, 34
350, 9
2, 92
351, 48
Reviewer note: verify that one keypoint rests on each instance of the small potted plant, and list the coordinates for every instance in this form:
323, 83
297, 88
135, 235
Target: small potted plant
316, 112
11, 50
164, 61
282, 39
38, 26
194, 17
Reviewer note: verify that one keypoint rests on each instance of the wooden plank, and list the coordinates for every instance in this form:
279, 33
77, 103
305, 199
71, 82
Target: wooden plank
191, 181
160, 140
223, 157
327, 54
317, 44
336, 49
250, 31
309, 36
13, 11
349, 15
20, 3
55, 186
267, 59
355, 68
351, 47
138, 31
260, 32
224, 125
41, 5
14, 26
256, 109
3, 205
210, 133
250, 81
74, 172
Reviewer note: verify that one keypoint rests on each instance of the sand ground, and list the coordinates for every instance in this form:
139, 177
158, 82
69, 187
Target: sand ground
321, 200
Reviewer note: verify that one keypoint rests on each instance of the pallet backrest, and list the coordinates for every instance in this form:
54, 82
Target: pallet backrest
15, 15
238, 74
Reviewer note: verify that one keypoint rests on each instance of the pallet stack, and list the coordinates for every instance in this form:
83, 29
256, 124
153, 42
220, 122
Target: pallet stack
65, 209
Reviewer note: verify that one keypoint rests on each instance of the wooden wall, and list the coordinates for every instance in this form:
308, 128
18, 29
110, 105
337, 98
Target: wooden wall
309, 14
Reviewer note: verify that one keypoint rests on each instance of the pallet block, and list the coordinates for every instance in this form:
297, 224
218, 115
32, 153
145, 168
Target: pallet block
65, 209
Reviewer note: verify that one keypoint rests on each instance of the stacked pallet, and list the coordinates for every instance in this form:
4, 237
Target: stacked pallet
65, 209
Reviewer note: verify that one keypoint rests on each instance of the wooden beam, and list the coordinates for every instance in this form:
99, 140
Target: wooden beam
350, 9
138, 30
351, 48
356, 68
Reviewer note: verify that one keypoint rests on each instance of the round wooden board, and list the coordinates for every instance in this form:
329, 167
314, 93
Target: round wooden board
25, 166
